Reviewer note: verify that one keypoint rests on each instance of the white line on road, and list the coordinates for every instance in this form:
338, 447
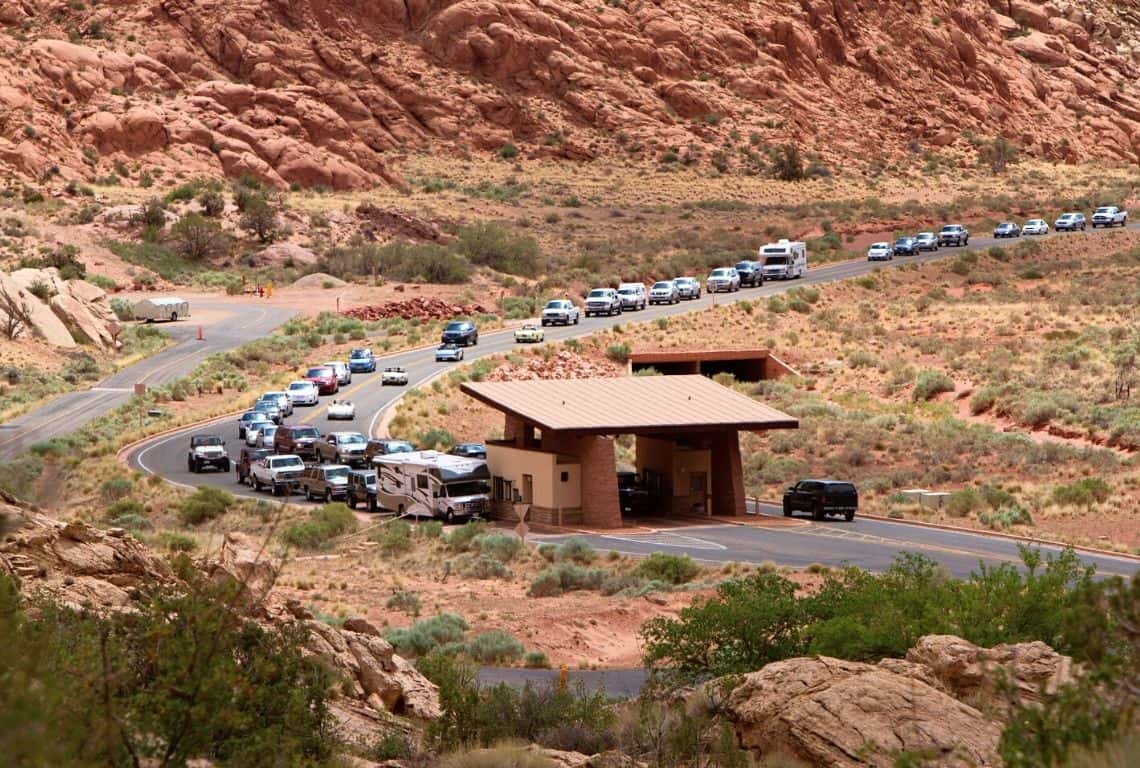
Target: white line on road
661, 540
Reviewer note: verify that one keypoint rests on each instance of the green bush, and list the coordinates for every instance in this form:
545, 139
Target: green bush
495, 647
672, 569
405, 601
394, 537
324, 524
123, 309
963, 503
116, 488
484, 567
426, 635
619, 353
205, 504
508, 151
536, 660
1006, 517
930, 383
1083, 493
125, 508
432, 529
862, 616
500, 546
462, 539
493, 245
576, 550
565, 577
173, 541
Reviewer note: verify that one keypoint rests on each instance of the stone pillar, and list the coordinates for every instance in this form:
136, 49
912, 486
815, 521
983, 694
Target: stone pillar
601, 507
516, 431
727, 474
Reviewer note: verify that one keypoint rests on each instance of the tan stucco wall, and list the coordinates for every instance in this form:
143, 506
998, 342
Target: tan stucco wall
546, 470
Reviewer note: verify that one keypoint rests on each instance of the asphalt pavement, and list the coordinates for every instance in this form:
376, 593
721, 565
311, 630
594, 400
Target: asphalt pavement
227, 322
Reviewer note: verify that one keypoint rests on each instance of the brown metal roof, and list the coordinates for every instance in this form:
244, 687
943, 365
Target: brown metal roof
629, 404
711, 355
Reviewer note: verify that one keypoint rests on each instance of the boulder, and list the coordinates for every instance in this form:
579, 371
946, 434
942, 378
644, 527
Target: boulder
280, 254
41, 321
80, 321
847, 714
1041, 49
244, 561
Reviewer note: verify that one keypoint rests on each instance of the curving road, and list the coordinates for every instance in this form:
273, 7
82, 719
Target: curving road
866, 543
226, 323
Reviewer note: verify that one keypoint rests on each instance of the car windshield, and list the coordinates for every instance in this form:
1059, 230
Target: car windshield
903, 241
663, 286
599, 293
318, 372
720, 273
368, 478
1104, 210
685, 280
337, 473
448, 346
925, 235
879, 245
351, 439
300, 385
211, 440
775, 259
305, 432
950, 228
469, 488
399, 448
841, 487
455, 326
556, 304
289, 461
744, 265
358, 353
1068, 216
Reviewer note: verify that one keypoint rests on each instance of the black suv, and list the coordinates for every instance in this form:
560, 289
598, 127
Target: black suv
361, 489
632, 494
462, 332
751, 273
382, 447
469, 450
821, 498
247, 457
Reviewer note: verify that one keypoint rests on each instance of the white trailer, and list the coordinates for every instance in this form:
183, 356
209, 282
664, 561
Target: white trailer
432, 484
783, 260
162, 308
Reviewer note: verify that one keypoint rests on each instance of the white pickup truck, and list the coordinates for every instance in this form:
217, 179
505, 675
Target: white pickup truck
1109, 216
279, 473
395, 375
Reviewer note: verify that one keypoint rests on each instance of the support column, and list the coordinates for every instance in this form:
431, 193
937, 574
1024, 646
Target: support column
517, 431
727, 474
600, 505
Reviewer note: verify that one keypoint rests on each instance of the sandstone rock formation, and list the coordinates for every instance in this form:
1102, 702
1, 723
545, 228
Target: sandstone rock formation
73, 309
320, 93
942, 700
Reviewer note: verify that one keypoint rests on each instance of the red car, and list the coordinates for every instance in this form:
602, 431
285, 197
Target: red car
325, 379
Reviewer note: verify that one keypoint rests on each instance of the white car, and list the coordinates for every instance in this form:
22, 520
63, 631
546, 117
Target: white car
880, 252
342, 409
560, 311
1109, 216
303, 393
343, 372
723, 279
395, 375
1070, 222
664, 292
1035, 227
282, 399
256, 437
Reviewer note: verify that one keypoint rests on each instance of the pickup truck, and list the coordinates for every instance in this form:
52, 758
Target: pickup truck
954, 234
821, 498
1109, 216
603, 301
395, 375
278, 472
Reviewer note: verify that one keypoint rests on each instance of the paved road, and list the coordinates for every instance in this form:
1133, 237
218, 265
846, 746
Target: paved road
866, 543
226, 323
869, 544
617, 683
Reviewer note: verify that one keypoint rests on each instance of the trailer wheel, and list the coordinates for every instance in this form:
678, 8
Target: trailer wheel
173, 316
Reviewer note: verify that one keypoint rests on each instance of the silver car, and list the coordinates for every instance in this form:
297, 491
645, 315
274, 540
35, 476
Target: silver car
664, 292
926, 241
688, 287
282, 399
343, 373
723, 279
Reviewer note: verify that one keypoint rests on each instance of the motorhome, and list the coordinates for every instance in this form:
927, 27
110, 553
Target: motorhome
783, 260
161, 308
432, 484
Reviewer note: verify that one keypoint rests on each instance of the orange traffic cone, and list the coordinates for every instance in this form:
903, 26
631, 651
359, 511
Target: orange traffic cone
201, 336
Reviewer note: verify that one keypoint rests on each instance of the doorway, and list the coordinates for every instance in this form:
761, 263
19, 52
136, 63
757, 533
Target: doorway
698, 492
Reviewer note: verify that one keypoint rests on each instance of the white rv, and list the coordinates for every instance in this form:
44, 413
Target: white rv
783, 260
433, 484
162, 308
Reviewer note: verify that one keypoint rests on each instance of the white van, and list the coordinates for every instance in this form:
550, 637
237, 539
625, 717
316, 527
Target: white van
633, 296
783, 260
162, 308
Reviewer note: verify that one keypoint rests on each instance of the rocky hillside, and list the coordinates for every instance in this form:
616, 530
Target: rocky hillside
330, 92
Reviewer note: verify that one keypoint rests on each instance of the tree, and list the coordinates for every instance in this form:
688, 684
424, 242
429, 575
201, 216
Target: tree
199, 239
998, 154
788, 164
15, 314
260, 219
1124, 366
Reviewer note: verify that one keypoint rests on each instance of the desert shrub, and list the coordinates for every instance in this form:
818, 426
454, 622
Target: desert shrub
436, 438
930, 383
493, 245
673, 569
206, 503
1006, 517
462, 539
324, 524
123, 309
395, 536
535, 660
508, 151
495, 647
260, 219
788, 163
122, 508
391, 746
102, 281
861, 358
565, 577
777, 305
425, 635
174, 541
405, 601
483, 715
576, 550
152, 214
19, 476
116, 488
983, 399
1083, 492
213, 204
548, 552
85, 688
862, 616
500, 546
484, 567
432, 529
619, 353
964, 502
199, 239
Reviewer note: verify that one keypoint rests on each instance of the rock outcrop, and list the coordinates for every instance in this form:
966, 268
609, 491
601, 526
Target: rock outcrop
58, 311
323, 94
941, 701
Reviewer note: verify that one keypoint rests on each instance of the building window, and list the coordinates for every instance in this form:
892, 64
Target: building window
565, 477
502, 490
